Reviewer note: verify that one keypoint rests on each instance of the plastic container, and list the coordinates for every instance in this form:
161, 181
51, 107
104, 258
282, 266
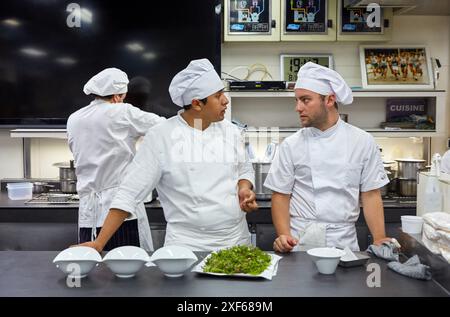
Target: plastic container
20, 191
412, 224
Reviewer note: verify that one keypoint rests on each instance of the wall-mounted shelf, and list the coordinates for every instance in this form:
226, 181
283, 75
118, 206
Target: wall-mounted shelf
367, 111
39, 133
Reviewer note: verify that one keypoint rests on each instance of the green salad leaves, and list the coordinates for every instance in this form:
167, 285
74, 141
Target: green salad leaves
238, 259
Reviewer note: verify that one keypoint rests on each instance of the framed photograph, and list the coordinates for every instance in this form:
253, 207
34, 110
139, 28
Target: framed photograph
305, 17
396, 67
354, 21
249, 17
290, 64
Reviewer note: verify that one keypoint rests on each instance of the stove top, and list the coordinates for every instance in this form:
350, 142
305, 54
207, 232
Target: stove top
54, 198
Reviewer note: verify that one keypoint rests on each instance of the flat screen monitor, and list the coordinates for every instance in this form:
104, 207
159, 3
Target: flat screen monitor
50, 48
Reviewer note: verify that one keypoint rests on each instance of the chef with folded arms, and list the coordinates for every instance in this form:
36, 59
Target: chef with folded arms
321, 172
198, 164
102, 138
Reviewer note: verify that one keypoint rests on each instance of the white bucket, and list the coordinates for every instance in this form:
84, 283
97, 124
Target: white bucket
412, 224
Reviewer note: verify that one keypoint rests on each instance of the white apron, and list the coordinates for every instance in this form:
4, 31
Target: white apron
94, 208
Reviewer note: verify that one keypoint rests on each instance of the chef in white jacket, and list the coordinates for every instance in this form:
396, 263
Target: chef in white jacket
197, 162
322, 171
102, 139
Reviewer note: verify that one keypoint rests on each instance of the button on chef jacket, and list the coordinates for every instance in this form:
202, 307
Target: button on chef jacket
196, 174
324, 171
102, 138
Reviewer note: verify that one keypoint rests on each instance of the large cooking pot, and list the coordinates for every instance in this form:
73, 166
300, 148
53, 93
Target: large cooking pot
68, 186
261, 172
407, 187
67, 177
409, 168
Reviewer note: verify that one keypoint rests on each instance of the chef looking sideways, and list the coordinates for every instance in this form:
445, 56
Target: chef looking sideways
198, 164
321, 171
102, 139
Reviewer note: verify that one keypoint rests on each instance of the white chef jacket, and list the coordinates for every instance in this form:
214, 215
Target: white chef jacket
102, 138
324, 171
196, 174
445, 163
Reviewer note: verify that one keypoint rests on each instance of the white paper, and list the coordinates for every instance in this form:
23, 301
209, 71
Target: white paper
349, 255
270, 272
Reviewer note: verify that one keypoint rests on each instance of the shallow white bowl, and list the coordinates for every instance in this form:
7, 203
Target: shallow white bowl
126, 261
326, 259
173, 260
77, 261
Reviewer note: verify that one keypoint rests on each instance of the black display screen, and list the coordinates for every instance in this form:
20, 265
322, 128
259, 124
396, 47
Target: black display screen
49, 49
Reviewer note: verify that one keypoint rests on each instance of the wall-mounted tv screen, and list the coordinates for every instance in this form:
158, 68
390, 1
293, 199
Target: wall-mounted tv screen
50, 48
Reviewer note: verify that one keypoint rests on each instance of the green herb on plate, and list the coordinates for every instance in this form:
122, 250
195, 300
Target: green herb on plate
238, 259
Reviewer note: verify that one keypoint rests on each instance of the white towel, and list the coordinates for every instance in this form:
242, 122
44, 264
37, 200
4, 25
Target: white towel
438, 220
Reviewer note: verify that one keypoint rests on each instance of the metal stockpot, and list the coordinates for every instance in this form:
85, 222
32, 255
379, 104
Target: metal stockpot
41, 187
261, 172
68, 186
408, 168
407, 187
67, 172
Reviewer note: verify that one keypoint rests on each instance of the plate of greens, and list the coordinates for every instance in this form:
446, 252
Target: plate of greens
241, 260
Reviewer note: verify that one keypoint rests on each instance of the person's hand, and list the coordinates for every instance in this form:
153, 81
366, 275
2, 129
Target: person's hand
379, 242
92, 244
247, 200
284, 243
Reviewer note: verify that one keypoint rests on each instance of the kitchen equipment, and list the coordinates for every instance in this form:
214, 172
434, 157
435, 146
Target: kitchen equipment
408, 168
444, 183
68, 186
407, 187
326, 259
67, 177
20, 191
126, 261
66, 171
261, 172
41, 187
173, 260
361, 259
412, 224
78, 261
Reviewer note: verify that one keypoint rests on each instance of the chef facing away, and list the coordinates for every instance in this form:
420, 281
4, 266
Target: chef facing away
321, 172
102, 138
197, 162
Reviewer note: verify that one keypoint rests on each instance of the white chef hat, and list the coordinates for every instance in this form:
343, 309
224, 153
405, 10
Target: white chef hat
324, 81
110, 81
197, 81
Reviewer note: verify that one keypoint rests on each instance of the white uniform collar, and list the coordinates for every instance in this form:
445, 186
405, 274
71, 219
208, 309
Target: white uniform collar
319, 133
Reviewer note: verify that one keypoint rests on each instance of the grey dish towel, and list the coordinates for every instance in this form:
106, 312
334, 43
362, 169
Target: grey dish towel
412, 268
387, 251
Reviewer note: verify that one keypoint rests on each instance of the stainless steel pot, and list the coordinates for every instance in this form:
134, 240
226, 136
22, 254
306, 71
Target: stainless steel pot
408, 168
67, 172
68, 186
407, 187
261, 172
41, 187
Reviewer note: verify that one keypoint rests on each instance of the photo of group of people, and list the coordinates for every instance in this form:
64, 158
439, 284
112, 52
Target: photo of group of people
396, 66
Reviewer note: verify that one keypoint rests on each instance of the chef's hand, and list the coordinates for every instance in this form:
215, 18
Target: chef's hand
247, 200
92, 244
284, 243
380, 241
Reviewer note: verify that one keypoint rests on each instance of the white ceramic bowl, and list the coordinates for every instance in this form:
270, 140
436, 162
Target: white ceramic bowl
173, 260
126, 261
326, 259
77, 261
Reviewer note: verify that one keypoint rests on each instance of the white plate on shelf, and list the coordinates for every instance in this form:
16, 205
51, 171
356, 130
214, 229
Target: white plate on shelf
268, 273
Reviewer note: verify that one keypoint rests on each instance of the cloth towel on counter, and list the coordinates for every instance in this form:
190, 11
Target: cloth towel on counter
387, 251
438, 220
412, 268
